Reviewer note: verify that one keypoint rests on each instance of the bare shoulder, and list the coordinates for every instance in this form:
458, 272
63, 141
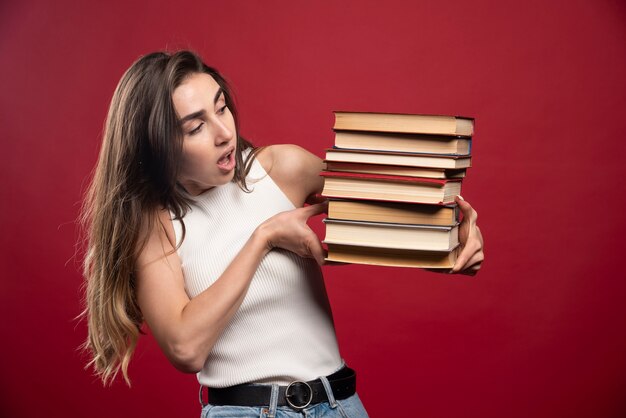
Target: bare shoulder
288, 157
158, 269
157, 238
294, 169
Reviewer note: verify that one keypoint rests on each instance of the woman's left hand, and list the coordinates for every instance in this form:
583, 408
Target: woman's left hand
471, 256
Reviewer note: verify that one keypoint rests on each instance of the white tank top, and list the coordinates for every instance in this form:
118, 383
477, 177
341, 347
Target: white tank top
283, 330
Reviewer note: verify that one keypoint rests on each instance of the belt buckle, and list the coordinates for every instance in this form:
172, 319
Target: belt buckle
288, 395
201, 398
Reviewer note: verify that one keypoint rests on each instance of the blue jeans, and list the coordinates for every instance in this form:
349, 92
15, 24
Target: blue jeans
346, 408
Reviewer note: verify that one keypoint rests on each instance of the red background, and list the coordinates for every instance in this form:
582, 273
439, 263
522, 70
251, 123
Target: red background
540, 332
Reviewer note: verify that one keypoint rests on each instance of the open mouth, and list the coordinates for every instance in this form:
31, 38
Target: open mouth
227, 161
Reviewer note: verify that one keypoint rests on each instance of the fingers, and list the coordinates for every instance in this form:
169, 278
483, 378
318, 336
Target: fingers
461, 260
315, 209
315, 249
470, 238
474, 263
472, 270
479, 236
467, 209
470, 256
470, 248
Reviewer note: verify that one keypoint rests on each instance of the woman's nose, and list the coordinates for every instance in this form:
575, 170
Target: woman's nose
222, 133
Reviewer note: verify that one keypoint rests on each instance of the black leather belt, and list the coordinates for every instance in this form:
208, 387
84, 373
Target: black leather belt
297, 395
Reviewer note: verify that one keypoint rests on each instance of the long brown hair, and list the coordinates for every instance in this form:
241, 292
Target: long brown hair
135, 176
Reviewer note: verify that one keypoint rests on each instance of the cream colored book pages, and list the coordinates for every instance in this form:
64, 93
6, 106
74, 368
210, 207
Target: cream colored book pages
391, 258
413, 160
465, 127
452, 190
426, 124
387, 236
437, 173
381, 142
359, 211
397, 192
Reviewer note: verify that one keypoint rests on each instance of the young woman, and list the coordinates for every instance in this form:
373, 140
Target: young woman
194, 231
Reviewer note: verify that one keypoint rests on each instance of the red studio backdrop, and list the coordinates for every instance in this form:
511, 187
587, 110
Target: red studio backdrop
540, 332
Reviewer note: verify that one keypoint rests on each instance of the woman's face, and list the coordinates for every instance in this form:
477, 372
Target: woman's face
209, 137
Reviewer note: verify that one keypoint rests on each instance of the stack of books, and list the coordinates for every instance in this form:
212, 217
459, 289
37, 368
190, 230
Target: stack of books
391, 180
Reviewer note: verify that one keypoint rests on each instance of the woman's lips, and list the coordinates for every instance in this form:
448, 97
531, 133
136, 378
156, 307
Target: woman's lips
227, 161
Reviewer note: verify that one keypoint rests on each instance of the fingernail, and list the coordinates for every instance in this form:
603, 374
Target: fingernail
460, 197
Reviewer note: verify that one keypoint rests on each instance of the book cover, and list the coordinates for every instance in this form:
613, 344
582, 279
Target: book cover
399, 158
391, 235
389, 212
390, 188
395, 170
415, 143
391, 258
391, 178
404, 123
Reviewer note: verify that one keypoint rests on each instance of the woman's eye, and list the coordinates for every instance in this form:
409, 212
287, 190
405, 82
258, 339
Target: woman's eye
222, 109
196, 129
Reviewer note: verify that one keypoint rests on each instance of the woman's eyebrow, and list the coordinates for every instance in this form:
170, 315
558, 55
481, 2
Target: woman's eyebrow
202, 113
217, 95
194, 115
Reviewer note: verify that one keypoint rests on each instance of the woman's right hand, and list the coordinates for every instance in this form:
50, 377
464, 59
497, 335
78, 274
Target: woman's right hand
187, 329
289, 230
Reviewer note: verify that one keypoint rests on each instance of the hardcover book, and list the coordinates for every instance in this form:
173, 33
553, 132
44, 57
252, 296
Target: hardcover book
388, 235
393, 258
404, 213
404, 123
382, 141
395, 170
390, 188
398, 158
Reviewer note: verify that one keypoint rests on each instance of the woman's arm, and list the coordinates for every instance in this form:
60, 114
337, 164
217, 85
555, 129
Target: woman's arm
186, 329
296, 171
